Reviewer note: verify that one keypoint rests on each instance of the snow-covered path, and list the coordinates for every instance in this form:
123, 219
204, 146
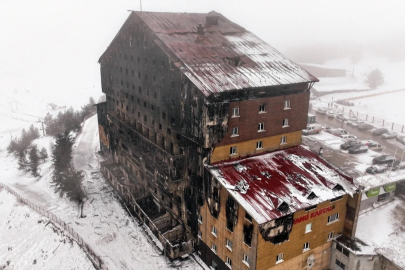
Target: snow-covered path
107, 227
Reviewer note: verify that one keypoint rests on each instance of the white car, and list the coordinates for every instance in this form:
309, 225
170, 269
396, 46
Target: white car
348, 137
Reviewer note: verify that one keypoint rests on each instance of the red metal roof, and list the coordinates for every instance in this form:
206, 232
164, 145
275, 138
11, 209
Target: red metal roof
288, 176
202, 60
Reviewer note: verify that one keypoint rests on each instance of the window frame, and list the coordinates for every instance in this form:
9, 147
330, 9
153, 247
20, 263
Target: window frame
259, 145
233, 150
235, 112
214, 248
228, 262
214, 231
333, 218
310, 228
235, 132
287, 104
306, 247
283, 140
285, 123
280, 258
246, 259
262, 108
260, 127
227, 244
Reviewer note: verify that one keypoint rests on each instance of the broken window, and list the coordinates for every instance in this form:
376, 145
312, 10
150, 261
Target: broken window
306, 246
247, 234
231, 213
248, 217
233, 150
342, 249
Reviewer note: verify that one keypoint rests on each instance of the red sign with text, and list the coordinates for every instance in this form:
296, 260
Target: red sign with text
314, 214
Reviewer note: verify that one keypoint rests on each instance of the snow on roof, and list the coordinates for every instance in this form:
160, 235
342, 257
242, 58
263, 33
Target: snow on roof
295, 176
382, 230
369, 181
226, 57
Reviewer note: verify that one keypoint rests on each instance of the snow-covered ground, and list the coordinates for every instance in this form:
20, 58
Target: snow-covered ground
30, 241
107, 227
383, 230
356, 74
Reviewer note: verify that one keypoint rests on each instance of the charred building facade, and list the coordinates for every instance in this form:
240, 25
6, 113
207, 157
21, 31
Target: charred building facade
186, 92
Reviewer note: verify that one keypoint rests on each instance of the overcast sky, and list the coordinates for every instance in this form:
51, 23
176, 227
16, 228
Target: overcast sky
53, 46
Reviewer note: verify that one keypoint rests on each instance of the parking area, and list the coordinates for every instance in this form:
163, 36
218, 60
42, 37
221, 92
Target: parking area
353, 164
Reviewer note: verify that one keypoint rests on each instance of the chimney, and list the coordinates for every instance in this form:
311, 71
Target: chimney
200, 30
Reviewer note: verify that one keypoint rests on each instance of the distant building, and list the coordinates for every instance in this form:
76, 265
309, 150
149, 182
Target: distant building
321, 71
199, 112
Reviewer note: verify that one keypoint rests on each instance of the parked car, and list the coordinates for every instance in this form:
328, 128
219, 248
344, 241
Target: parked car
345, 102
377, 169
379, 131
354, 123
312, 129
375, 146
330, 114
337, 131
321, 110
401, 139
341, 116
349, 144
383, 159
390, 135
397, 165
358, 149
348, 137
365, 126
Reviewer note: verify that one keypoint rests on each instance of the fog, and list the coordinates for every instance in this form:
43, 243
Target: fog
52, 47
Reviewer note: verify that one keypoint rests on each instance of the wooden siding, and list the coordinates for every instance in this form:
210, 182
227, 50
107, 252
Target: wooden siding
249, 147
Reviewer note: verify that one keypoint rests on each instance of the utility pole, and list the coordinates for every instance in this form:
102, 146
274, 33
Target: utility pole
43, 129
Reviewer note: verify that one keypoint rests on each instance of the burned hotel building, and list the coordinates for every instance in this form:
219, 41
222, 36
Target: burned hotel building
202, 125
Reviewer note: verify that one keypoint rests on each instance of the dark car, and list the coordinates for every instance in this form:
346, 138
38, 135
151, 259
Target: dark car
358, 149
401, 139
349, 144
376, 169
379, 131
365, 126
390, 135
397, 165
383, 159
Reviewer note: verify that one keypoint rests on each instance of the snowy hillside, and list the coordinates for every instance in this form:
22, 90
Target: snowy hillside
30, 241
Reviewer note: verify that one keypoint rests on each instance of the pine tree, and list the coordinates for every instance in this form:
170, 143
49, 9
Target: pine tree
43, 154
65, 178
22, 161
34, 160
374, 79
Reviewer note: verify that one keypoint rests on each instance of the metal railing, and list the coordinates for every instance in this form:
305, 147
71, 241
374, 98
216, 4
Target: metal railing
95, 259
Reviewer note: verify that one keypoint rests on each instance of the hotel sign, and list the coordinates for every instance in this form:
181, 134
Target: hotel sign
313, 214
